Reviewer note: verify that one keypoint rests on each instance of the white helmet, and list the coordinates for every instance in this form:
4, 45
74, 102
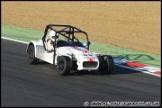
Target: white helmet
53, 35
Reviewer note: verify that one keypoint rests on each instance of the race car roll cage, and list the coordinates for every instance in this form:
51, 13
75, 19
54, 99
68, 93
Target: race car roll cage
66, 29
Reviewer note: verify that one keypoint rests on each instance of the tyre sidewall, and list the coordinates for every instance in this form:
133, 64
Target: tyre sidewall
32, 60
67, 64
106, 65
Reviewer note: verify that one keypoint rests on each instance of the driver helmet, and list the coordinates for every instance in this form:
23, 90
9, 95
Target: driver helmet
53, 35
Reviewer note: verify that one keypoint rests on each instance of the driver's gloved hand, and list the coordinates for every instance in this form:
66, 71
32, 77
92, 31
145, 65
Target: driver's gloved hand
52, 42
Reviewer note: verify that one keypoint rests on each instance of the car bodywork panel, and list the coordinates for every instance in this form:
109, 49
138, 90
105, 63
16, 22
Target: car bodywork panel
78, 54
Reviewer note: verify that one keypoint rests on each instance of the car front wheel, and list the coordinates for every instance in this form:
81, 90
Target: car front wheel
64, 65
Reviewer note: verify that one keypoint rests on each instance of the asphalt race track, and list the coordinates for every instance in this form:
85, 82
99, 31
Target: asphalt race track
39, 85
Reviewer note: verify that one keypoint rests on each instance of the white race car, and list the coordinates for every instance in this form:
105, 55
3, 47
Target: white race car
68, 53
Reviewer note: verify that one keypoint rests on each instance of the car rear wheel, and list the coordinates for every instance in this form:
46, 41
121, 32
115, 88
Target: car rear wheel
106, 65
64, 65
31, 55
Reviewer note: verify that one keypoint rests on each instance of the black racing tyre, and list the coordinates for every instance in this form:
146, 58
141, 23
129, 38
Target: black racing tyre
106, 65
64, 65
31, 55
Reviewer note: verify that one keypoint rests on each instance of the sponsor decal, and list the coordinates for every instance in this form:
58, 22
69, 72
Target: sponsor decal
91, 59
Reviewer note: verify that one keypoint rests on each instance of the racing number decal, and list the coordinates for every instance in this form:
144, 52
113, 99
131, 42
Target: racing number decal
83, 50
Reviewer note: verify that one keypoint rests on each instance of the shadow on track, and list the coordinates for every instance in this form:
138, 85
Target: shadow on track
117, 70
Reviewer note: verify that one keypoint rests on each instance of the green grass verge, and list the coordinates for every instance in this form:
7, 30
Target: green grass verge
27, 35
20, 33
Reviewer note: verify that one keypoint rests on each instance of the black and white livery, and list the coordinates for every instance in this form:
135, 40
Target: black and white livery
70, 52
